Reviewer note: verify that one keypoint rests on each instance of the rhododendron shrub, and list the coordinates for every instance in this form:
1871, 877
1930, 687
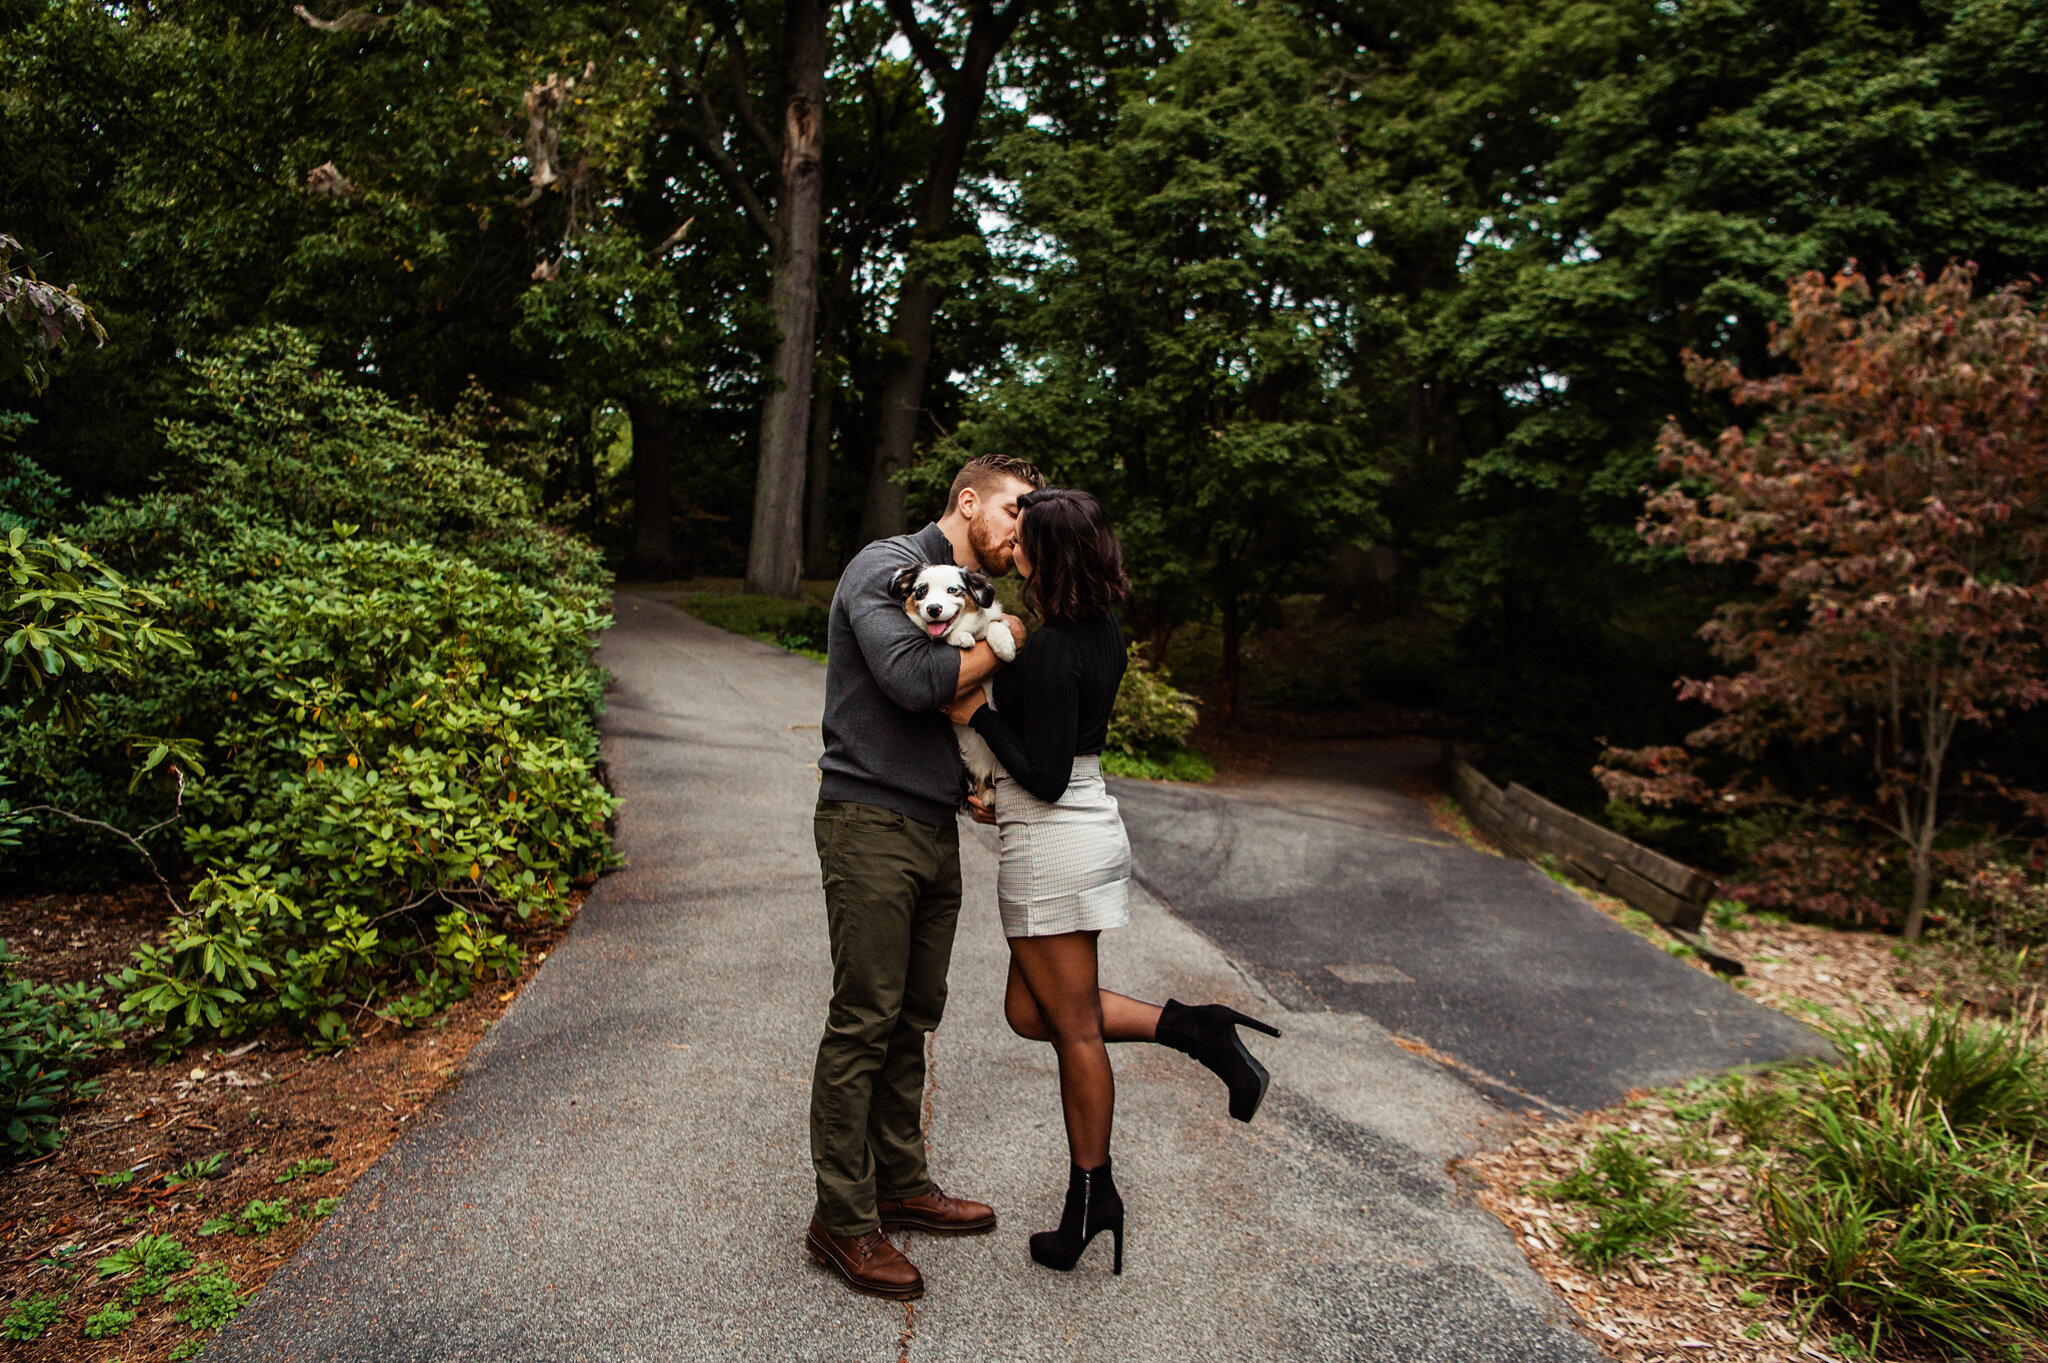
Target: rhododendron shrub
1892, 498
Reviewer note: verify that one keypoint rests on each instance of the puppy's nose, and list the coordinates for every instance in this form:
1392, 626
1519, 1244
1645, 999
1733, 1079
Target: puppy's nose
933, 610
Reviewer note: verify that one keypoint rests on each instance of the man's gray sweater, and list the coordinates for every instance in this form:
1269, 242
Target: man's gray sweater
885, 741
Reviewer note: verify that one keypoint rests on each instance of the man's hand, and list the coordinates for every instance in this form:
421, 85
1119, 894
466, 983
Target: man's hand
978, 811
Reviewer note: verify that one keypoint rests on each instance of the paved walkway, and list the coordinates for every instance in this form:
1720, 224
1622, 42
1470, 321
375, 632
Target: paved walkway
1336, 891
623, 1175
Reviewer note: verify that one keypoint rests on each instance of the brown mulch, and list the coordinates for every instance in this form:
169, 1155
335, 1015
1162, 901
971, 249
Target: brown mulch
262, 1104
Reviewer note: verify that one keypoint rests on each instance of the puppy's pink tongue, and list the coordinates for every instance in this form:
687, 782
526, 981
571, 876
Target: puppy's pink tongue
936, 628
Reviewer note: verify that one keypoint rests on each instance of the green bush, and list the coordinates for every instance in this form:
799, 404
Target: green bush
392, 684
411, 754
1151, 718
29, 496
48, 1033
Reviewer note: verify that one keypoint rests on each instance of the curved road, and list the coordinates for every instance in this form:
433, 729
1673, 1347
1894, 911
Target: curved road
1339, 893
622, 1173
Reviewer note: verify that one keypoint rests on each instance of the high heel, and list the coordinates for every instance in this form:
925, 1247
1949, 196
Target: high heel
1209, 1034
1093, 1206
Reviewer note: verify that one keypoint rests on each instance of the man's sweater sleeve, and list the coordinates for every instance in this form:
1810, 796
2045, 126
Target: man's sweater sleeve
913, 669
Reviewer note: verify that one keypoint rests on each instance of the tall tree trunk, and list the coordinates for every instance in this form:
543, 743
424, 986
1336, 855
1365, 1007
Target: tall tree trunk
1922, 861
832, 309
775, 550
1226, 670
910, 334
817, 475
654, 542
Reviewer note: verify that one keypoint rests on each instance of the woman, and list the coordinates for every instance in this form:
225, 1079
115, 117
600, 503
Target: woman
1066, 863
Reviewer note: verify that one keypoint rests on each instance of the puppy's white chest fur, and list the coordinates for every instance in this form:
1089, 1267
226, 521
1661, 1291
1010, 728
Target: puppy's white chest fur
959, 606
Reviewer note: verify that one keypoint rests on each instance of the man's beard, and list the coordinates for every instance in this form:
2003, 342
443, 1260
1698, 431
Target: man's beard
994, 552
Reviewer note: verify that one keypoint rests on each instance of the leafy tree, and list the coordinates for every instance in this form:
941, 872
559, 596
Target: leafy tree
1186, 347
1894, 506
978, 29
1568, 196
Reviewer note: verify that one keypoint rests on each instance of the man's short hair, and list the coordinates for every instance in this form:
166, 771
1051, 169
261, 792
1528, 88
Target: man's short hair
986, 472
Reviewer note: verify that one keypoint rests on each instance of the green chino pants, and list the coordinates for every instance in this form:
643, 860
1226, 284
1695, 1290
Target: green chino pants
892, 901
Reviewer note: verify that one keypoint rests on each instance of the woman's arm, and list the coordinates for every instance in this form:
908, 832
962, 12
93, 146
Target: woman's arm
1041, 759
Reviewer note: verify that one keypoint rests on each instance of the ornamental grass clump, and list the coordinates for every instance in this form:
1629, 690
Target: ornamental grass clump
1909, 1185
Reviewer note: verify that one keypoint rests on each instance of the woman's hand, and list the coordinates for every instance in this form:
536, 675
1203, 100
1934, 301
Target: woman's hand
962, 710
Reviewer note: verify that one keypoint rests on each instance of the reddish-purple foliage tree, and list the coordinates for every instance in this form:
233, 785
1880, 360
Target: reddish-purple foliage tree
1894, 503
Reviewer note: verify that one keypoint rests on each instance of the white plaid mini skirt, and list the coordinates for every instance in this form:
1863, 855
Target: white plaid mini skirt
1066, 867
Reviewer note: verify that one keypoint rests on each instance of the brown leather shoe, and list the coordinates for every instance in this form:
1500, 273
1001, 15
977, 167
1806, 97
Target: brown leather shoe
936, 1214
869, 1263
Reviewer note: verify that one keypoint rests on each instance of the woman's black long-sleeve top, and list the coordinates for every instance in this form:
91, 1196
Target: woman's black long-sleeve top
1053, 703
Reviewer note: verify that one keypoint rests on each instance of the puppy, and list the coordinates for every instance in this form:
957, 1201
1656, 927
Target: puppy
959, 606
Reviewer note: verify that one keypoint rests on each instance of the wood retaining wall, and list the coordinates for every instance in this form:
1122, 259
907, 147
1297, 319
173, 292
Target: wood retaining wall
1523, 822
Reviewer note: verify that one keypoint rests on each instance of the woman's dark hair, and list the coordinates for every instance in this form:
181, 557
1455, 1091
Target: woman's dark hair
1077, 567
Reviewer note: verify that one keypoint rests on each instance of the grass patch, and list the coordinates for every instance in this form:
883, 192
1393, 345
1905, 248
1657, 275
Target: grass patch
1912, 1197
1181, 765
799, 626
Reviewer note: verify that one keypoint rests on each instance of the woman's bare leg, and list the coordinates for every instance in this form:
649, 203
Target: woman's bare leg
1123, 1018
1059, 974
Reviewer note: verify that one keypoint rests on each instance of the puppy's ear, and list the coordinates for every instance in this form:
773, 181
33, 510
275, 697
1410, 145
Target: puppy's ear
980, 588
905, 579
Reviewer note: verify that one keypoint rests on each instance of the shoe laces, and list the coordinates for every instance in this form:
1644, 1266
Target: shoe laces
869, 1245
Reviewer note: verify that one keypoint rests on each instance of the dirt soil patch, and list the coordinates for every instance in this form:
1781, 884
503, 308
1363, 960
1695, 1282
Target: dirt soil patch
291, 1130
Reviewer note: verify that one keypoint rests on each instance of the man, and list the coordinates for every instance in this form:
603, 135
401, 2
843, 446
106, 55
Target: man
889, 847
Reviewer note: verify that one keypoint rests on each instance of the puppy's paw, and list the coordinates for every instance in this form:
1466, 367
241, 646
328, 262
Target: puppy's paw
1000, 639
961, 638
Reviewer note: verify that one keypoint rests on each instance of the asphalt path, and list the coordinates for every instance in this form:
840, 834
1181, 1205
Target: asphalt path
622, 1173
1338, 892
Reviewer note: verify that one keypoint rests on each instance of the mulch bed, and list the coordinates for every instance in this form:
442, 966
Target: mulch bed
263, 1105
1671, 1307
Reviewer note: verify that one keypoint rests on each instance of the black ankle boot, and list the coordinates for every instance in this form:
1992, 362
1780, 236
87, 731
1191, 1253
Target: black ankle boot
1092, 1208
1209, 1034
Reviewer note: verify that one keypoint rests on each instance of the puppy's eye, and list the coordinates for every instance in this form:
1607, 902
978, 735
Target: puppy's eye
921, 590
952, 591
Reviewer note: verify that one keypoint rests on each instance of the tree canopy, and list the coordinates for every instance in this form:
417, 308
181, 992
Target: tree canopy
1287, 282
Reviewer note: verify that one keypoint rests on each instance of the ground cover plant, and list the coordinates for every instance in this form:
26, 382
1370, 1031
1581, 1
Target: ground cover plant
799, 626
103, 1229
